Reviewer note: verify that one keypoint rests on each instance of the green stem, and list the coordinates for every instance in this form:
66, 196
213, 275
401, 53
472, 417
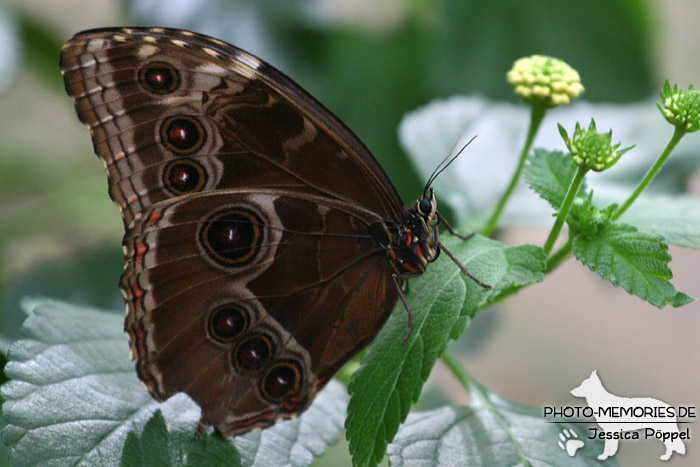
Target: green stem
536, 116
458, 371
476, 391
565, 208
558, 257
677, 135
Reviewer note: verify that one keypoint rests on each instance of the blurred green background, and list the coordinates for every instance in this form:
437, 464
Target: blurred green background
370, 62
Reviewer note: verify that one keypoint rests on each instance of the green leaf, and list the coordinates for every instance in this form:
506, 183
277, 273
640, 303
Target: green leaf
488, 432
392, 373
635, 260
525, 265
158, 447
212, 450
676, 218
73, 394
73, 397
550, 173
151, 448
517, 266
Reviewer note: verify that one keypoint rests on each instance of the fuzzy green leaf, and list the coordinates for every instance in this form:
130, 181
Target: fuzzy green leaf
392, 373
158, 447
151, 448
634, 260
520, 265
550, 173
492, 432
73, 397
676, 218
212, 450
525, 265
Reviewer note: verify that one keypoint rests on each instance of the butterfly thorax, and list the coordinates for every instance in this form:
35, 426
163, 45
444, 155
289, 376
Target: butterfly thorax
415, 242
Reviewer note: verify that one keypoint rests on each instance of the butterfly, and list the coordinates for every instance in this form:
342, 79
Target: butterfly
264, 244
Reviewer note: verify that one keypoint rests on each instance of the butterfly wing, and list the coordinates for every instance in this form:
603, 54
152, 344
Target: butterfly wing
251, 325
252, 273
172, 112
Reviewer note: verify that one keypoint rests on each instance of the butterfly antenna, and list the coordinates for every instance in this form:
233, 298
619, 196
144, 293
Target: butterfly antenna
442, 165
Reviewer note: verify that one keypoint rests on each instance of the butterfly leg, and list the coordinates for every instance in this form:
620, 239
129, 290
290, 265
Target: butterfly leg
452, 231
200, 430
462, 268
396, 278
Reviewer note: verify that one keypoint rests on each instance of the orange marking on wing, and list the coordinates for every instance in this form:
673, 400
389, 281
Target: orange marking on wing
140, 340
137, 295
141, 249
153, 218
265, 416
292, 404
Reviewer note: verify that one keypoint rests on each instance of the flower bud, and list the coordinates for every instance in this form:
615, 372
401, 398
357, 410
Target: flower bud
591, 149
545, 80
681, 108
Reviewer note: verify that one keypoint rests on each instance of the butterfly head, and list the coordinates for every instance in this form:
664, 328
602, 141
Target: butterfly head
418, 239
426, 207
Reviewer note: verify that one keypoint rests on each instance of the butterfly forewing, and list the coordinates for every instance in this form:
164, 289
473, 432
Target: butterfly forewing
253, 266
163, 105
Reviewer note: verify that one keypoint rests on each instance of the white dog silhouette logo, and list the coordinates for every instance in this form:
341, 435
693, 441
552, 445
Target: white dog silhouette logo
621, 417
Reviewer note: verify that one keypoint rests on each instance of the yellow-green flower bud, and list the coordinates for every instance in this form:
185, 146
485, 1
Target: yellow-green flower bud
591, 149
681, 108
545, 80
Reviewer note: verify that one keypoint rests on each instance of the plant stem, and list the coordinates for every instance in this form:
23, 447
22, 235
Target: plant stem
458, 371
565, 208
558, 257
478, 392
675, 138
536, 116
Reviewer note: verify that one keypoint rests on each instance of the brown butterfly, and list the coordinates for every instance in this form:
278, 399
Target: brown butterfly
264, 244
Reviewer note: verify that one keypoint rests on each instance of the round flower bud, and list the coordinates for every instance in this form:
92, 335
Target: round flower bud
681, 108
591, 149
545, 80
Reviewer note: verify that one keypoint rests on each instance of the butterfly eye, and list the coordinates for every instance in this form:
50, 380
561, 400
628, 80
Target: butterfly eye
425, 206
228, 322
182, 134
232, 237
159, 78
253, 353
281, 381
184, 176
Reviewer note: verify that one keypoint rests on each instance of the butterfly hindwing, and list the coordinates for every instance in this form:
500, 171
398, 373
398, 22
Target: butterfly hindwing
291, 289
